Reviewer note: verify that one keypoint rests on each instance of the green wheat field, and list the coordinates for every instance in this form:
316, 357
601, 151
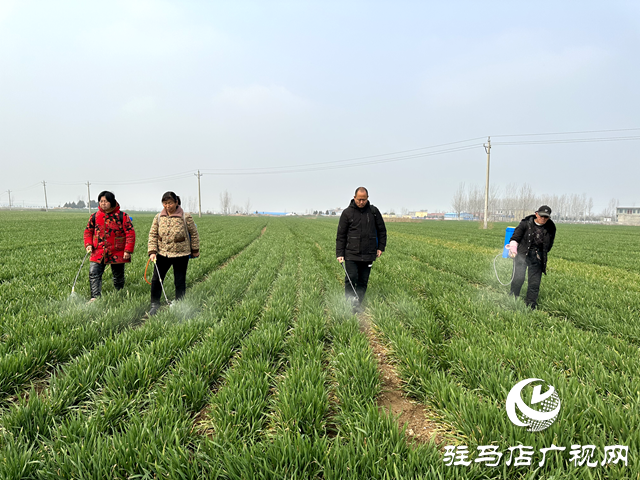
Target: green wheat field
262, 371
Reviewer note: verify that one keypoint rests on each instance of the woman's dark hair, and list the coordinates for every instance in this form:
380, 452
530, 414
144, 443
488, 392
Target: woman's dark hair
171, 196
111, 198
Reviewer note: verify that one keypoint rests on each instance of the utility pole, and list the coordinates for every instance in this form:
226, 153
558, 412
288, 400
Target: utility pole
46, 205
487, 148
199, 196
89, 194
9, 191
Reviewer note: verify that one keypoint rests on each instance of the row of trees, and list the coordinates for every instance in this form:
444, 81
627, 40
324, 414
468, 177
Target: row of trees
229, 208
81, 204
517, 201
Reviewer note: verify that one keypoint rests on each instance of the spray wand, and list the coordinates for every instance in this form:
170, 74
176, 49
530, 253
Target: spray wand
73, 288
349, 278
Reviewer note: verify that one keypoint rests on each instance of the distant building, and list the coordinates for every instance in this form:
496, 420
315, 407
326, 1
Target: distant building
273, 214
628, 215
463, 216
422, 214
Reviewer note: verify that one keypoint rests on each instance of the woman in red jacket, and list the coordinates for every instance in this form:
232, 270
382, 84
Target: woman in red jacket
110, 238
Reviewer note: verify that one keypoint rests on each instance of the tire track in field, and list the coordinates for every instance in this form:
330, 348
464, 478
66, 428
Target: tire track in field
418, 423
417, 420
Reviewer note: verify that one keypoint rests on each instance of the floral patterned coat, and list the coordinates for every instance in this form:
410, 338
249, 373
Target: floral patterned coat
169, 235
110, 235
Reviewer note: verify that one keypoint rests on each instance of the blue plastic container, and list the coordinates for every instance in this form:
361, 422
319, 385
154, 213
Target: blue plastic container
507, 238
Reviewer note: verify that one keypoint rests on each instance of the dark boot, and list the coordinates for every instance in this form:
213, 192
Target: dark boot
154, 309
118, 275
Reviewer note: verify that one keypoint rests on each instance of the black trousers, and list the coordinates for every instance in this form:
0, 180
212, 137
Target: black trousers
358, 272
534, 264
179, 276
95, 277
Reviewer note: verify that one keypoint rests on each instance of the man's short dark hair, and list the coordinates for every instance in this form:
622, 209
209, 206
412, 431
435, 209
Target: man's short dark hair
361, 189
110, 197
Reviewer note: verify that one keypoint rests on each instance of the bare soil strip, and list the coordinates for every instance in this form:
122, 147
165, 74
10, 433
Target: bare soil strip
420, 428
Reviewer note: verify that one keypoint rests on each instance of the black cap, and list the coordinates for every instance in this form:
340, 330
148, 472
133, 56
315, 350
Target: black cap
544, 211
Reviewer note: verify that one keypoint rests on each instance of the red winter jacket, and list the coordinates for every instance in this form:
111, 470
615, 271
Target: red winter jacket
110, 234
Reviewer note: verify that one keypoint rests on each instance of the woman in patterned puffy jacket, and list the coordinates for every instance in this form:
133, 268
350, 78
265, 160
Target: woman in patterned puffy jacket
173, 238
110, 238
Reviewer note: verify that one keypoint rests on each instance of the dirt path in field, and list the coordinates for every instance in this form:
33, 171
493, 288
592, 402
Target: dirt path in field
420, 429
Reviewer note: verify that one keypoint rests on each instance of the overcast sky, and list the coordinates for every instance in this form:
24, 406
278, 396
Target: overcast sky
117, 92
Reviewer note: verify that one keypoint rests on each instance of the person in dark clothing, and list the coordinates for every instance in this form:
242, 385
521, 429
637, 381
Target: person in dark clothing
530, 243
361, 238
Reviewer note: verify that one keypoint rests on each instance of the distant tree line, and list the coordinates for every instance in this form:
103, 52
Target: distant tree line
81, 204
516, 202
229, 208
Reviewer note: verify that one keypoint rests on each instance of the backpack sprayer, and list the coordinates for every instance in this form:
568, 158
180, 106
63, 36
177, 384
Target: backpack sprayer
505, 254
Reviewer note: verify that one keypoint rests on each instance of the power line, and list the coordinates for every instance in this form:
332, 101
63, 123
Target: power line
569, 140
132, 182
27, 188
568, 133
392, 157
257, 169
145, 180
335, 167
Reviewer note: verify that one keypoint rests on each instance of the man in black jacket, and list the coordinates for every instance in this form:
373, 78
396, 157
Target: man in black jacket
531, 241
362, 237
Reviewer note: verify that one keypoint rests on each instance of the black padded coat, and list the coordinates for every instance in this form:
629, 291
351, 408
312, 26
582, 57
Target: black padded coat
361, 232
